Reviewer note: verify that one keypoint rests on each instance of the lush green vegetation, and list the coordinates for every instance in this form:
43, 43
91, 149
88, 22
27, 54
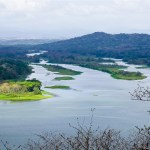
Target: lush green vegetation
58, 87
22, 91
64, 78
126, 75
11, 69
115, 71
61, 70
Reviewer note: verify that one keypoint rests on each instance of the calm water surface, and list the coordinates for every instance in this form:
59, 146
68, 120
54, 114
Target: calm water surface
91, 89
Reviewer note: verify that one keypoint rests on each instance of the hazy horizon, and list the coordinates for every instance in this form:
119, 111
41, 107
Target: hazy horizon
59, 19
63, 38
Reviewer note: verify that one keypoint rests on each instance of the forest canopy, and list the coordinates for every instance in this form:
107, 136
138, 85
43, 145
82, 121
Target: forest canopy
12, 69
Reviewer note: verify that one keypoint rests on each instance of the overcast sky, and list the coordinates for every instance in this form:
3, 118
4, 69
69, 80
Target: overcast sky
69, 18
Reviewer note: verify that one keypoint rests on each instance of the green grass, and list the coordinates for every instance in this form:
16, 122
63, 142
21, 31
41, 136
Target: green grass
61, 70
25, 97
63, 78
116, 71
58, 87
23, 91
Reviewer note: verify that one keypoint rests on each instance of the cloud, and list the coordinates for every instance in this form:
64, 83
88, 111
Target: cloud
63, 18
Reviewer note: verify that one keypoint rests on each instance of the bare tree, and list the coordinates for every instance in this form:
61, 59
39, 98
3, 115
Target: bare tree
87, 138
141, 93
140, 139
7, 146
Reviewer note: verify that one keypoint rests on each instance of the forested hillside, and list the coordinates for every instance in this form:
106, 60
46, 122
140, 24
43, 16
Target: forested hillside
134, 48
13, 69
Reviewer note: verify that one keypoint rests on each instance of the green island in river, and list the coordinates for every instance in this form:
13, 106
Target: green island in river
60, 70
116, 71
58, 87
64, 78
28, 90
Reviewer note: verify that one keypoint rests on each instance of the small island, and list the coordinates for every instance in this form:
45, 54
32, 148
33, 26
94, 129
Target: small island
58, 87
64, 78
29, 90
116, 71
60, 70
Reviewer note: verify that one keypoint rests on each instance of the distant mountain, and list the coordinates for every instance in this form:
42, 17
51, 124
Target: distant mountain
101, 41
133, 48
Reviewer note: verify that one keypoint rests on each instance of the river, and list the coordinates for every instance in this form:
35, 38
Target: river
92, 89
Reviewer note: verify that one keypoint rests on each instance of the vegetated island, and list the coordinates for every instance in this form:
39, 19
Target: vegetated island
58, 87
142, 67
63, 78
29, 90
115, 71
60, 70
13, 85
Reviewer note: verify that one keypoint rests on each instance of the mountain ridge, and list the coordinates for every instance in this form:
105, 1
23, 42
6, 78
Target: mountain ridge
100, 40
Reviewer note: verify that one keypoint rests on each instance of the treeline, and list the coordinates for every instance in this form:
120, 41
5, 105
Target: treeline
13, 51
12, 69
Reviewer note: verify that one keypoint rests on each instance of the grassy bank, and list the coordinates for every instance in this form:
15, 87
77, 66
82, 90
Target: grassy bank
115, 71
61, 70
23, 91
58, 87
25, 97
63, 78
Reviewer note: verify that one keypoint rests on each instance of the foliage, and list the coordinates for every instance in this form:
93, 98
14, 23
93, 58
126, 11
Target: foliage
20, 91
31, 84
13, 69
36, 90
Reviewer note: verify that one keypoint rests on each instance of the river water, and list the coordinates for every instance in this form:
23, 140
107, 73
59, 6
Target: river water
92, 89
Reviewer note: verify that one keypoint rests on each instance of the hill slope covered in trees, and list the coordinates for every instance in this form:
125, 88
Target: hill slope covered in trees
134, 48
13, 69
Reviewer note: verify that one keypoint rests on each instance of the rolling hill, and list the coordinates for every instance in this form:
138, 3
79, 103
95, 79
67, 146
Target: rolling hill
134, 48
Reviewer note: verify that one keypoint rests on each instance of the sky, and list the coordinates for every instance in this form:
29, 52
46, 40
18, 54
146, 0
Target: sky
57, 19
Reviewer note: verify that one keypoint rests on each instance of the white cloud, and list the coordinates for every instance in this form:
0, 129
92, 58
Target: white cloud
60, 18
